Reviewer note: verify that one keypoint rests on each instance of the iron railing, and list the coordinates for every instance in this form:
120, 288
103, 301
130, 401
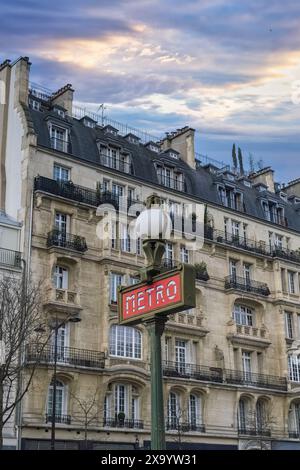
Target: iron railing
276, 219
236, 241
116, 163
68, 190
219, 375
10, 258
247, 431
284, 253
239, 377
61, 145
183, 427
294, 434
171, 183
246, 285
168, 263
233, 203
65, 355
59, 418
66, 240
123, 423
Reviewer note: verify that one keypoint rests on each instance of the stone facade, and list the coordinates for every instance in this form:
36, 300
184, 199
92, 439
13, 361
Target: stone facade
227, 383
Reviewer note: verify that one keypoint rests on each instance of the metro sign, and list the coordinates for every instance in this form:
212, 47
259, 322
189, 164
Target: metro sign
169, 293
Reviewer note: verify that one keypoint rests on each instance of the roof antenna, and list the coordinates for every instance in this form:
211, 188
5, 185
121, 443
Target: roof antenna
102, 107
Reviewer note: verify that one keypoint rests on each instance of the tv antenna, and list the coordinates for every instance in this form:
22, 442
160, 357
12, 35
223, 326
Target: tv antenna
102, 107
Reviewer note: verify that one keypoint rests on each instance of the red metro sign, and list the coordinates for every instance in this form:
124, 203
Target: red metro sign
168, 293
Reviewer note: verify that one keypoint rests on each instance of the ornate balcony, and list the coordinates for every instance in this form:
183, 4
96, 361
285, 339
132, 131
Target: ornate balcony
189, 320
249, 431
61, 419
116, 163
246, 285
236, 241
123, 423
184, 427
66, 240
219, 375
10, 258
68, 356
284, 253
63, 300
171, 183
250, 335
67, 189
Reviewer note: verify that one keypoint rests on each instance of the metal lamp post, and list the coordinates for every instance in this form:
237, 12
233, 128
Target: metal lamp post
53, 413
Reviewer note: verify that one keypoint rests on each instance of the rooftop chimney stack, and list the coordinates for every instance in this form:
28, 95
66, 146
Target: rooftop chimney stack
264, 176
64, 97
182, 140
293, 188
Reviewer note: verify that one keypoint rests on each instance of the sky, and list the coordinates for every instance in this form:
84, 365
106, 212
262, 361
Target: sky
227, 68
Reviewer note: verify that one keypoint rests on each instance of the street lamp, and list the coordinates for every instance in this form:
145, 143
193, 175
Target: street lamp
154, 227
56, 327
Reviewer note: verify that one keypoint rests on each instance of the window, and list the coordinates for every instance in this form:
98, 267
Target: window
121, 399
294, 368
243, 315
235, 229
278, 241
124, 402
61, 277
173, 411
115, 282
261, 416
294, 420
134, 280
184, 254
233, 269
34, 104
60, 404
59, 138
62, 343
61, 173
169, 252
117, 191
167, 348
246, 362
130, 193
181, 355
289, 331
247, 273
125, 341
291, 280
243, 415
170, 178
125, 240
195, 411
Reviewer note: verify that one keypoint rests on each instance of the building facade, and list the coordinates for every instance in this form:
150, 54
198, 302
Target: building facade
10, 266
232, 365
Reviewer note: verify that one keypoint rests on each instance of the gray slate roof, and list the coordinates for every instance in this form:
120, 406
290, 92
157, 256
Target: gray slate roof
200, 183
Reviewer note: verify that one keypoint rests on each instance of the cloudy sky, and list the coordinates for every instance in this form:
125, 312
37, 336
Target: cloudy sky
230, 69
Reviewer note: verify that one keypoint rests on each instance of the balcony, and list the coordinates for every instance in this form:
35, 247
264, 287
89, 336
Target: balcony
10, 258
247, 285
61, 145
59, 418
184, 427
219, 375
294, 434
123, 423
236, 241
249, 431
67, 189
171, 183
192, 371
63, 300
116, 163
168, 264
284, 253
69, 356
242, 378
276, 218
66, 240
187, 319
246, 334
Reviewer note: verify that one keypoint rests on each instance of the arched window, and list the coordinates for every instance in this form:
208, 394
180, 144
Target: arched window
125, 341
173, 411
261, 417
61, 401
243, 315
294, 420
294, 368
243, 415
195, 411
122, 407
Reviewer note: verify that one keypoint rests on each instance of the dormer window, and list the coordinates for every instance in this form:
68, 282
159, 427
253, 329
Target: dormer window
133, 139
34, 104
110, 130
153, 146
113, 157
59, 111
171, 153
231, 198
59, 138
88, 122
274, 213
170, 177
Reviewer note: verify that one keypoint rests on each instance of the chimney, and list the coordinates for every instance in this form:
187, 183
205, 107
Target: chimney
64, 98
293, 188
182, 140
264, 177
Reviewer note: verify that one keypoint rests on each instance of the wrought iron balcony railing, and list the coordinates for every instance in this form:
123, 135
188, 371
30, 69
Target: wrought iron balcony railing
123, 423
116, 163
59, 418
171, 183
284, 253
61, 145
70, 356
173, 425
246, 285
168, 263
276, 218
249, 431
67, 189
239, 377
294, 434
10, 258
236, 241
66, 240
218, 375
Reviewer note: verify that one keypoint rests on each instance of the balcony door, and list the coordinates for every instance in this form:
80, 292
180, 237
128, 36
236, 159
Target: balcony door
61, 227
246, 363
62, 344
181, 356
60, 403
